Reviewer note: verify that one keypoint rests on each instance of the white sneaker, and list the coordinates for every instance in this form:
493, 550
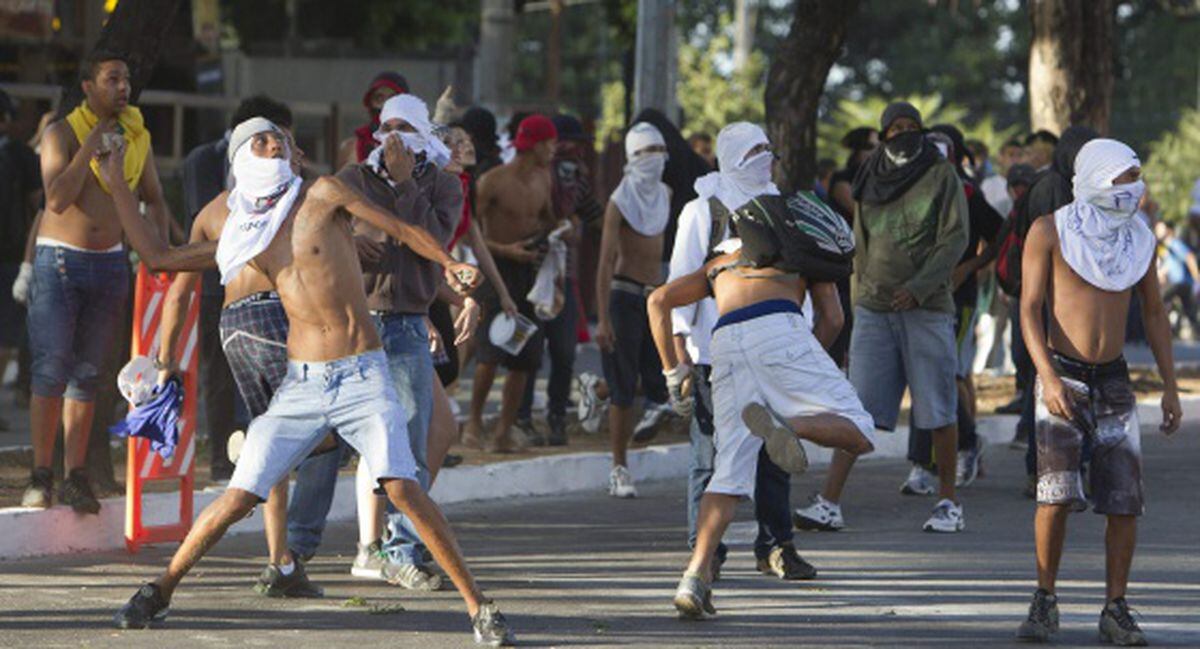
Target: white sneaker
590, 407
620, 483
822, 515
947, 518
920, 482
652, 416
968, 465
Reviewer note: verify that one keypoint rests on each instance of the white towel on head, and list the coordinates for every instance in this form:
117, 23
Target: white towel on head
260, 200
412, 110
740, 179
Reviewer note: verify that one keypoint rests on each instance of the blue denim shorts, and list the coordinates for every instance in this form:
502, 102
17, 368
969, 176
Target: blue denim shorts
77, 304
354, 395
915, 349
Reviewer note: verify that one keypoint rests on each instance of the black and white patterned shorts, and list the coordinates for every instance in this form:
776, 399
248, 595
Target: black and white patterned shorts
254, 334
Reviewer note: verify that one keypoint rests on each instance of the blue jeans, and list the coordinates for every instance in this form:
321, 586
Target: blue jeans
406, 343
77, 302
311, 498
772, 485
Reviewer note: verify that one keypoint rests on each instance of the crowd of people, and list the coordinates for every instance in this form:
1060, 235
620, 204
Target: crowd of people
338, 311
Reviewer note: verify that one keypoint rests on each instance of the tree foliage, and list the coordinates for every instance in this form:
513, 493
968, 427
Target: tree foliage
1173, 165
712, 95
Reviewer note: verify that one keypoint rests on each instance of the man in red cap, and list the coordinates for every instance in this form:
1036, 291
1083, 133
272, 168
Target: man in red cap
515, 211
383, 87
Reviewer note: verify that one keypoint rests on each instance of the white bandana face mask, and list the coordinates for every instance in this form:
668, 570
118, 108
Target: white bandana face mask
263, 192
647, 168
755, 174
1119, 201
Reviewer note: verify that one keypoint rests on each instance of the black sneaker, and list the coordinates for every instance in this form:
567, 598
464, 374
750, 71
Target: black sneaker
491, 628
1042, 622
452, 460
532, 436
785, 563
558, 430
1118, 626
77, 493
146, 608
40, 491
273, 583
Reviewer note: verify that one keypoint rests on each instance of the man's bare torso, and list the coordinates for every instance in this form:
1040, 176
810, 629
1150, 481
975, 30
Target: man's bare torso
514, 203
91, 221
1086, 323
313, 264
639, 257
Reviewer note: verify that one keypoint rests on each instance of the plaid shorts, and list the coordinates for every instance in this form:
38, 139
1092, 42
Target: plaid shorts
254, 334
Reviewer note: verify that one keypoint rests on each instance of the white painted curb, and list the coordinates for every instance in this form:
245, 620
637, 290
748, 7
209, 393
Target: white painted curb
34, 532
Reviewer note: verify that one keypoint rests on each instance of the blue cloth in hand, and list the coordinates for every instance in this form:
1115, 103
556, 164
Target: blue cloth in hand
156, 420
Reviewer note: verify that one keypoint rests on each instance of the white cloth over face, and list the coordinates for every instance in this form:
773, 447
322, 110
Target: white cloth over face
412, 110
739, 179
260, 200
1097, 235
642, 197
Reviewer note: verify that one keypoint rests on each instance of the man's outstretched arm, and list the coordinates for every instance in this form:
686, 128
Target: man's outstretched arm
685, 290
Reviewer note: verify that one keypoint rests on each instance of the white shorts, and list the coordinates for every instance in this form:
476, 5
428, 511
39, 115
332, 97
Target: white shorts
770, 357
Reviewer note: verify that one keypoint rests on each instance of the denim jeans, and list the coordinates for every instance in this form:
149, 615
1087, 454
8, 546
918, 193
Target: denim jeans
406, 343
311, 498
771, 489
561, 339
77, 302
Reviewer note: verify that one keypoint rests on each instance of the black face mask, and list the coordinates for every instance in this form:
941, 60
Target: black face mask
894, 168
904, 148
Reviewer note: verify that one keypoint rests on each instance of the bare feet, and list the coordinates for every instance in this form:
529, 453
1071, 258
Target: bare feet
504, 443
471, 437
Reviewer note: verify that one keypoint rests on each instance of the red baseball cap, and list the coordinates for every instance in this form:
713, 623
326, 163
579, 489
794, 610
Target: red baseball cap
533, 130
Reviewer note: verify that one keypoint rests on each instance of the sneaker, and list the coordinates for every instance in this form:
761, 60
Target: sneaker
968, 465
146, 608
368, 563
558, 430
530, 432
590, 407
947, 517
491, 628
273, 583
920, 482
1043, 618
1118, 626
822, 516
693, 598
77, 493
620, 483
40, 491
785, 563
783, 446
647, 427
410, 576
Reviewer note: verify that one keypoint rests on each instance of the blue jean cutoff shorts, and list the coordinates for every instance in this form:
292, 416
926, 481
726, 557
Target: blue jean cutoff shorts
354, 395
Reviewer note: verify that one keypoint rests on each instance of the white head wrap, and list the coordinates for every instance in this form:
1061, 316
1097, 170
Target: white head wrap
643, 199
739, 179
413, 110
260, 199
1098, 237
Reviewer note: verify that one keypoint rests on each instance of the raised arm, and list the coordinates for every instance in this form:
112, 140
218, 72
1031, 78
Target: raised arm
63, 175
155, 253
1036, 264
157, 210
827, 311
1158, 334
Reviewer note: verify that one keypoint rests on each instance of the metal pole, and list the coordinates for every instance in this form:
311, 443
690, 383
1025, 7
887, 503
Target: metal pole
495, 62
653, 65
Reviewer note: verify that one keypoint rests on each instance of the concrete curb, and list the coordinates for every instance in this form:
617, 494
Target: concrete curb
34, 532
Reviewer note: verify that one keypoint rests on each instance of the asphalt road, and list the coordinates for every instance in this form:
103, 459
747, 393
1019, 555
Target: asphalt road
585, 570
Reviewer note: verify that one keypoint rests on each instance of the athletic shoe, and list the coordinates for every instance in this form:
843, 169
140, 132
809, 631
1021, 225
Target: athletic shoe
451, 460
620, 483
369, 562
410, 576
783, 446
40, 491
491, 628
652, 416
1118, 626
532, 437
590, 407
967, 468
77, 493
234, 444
1042, 622
785, 563
920, 482
693, 598
947, 517
822, 516
273, 583
558, 430
146, 608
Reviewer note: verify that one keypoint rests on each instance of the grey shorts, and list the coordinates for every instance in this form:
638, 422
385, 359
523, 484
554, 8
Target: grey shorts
890, 351
354, 395
1106, 412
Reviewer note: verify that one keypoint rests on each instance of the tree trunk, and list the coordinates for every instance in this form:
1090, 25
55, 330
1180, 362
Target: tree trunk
136, 30
795, 82
1071, 63
745, 22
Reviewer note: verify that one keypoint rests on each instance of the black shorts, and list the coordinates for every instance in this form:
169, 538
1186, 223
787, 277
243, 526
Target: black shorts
634, 354
518, 279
